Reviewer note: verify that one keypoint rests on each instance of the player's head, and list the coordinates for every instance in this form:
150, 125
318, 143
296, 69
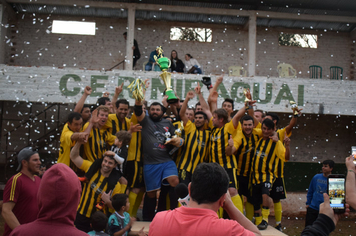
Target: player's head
273, 116
123, 138
75, 121
200, 119
86, 112
267, 128
247, 125
156, 111
209, 183
259, 115
198, 107
108, 164
122, 108
120, 202
105, 101
98, 221
228, 105
189, 113
328, 166
29, 161
103, 114
220, 117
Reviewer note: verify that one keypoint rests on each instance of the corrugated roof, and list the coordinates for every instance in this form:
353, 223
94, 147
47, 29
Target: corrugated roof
309, 7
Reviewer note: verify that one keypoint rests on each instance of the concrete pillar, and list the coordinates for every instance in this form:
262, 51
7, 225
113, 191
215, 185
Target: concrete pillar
252, 44
130, 38
2, 35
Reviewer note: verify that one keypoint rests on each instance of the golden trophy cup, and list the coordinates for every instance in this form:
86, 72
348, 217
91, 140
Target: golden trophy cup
294, 107
164, 63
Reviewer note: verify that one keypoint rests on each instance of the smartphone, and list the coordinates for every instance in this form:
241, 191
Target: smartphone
336, 191
353, 153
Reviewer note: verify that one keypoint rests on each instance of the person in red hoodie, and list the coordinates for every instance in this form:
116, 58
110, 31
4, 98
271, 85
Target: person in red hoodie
58, 198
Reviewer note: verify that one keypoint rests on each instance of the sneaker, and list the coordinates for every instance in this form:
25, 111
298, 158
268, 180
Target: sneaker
279, 227
263, 225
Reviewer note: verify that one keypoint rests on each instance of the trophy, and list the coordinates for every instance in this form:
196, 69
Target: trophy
164, 63
294, 107
246, 98
177, 134
137, 90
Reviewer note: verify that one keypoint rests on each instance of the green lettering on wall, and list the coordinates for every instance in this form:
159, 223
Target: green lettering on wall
223, 92
234, 90
285, 94
190, 85
121, 80
94, 84
300, 95
63, 85
268, 93
157, 84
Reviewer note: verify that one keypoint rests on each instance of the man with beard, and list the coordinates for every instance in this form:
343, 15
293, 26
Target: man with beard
243, 147
158, 166
20, 193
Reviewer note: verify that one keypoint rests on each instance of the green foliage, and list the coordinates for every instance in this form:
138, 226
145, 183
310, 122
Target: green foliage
288, 40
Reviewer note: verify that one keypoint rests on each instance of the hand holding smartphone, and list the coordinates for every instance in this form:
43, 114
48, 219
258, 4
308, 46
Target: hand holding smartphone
353, 153
336, 192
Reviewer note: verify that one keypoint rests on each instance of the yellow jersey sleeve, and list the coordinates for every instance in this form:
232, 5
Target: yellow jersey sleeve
86, 165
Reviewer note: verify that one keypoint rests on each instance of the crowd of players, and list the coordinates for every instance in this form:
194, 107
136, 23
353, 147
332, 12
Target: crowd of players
117, 150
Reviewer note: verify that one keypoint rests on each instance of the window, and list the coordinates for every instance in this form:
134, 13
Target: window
299, 40
73, 27
191, 34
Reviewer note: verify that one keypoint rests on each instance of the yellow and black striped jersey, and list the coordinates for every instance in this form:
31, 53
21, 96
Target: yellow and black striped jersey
219, 138
265, 160
99, 142
245, 147
280, 167
91, 194
195, 148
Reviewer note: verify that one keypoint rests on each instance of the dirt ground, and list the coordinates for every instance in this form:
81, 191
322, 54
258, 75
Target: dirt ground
291, 226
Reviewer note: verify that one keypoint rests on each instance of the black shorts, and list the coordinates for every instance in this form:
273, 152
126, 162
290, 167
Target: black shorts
134, 174
257, 191
278, 190
233, 178
82, 223
184, 176
243, 186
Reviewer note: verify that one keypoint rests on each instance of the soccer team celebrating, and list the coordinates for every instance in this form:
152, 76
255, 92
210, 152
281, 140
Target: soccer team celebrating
107, 149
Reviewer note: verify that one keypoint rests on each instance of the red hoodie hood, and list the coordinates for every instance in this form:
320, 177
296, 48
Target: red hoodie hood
59, 194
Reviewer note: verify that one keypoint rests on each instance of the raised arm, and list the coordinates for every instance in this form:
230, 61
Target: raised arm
138, 110
293, 122
237, 117
213, 95
286, 142
87, 91
75, 156
118, 90
202, 101
182, 111
350, 182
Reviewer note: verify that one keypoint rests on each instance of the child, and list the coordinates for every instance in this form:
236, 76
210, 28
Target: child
99, 222
120, 221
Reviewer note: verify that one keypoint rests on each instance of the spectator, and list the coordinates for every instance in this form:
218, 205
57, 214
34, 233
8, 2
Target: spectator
120, 221
317, 187
99, 222
20, 193
152, 62
58, 199
176, 64
208, 192
192, 65
136, 51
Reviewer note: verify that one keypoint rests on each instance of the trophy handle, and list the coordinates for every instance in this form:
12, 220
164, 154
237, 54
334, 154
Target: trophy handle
169, 63
155, 57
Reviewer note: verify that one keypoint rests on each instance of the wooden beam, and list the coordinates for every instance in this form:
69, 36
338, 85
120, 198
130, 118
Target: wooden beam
194, 10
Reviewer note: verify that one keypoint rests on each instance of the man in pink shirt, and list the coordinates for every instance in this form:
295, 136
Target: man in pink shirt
208, 192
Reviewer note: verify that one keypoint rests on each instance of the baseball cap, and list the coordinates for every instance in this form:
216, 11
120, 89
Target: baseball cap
24, 154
